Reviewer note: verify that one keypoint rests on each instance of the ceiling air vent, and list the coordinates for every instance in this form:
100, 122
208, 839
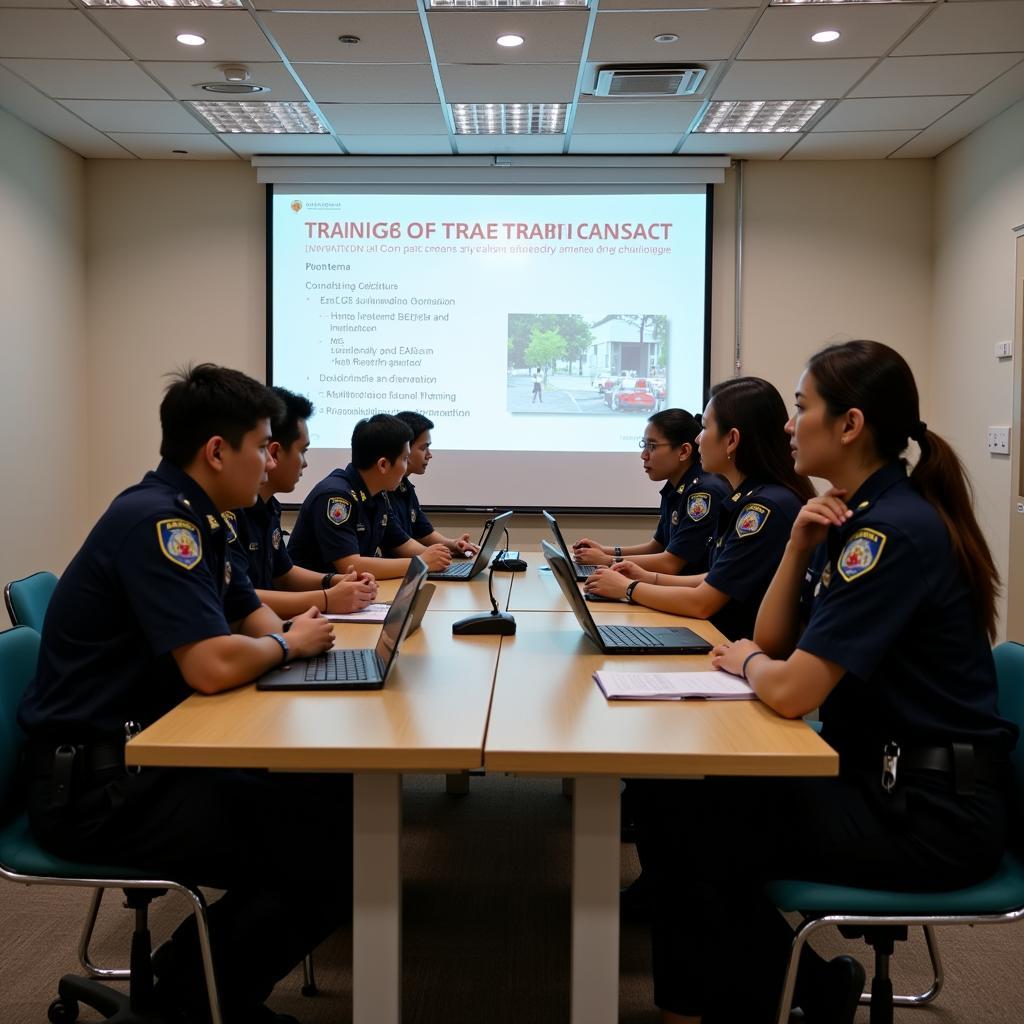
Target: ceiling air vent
682, 80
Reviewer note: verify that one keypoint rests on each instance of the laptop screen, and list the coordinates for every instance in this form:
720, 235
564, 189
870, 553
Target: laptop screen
489, 540
558, 536
398, 613
567, 581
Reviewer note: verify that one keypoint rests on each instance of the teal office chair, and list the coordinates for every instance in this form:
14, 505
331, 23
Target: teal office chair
28, 599
23, 860
882, 917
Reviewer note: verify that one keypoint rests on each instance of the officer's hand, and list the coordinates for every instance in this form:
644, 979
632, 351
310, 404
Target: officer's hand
310, 634
632, 571
730, 656
606, 583
352, 594
813, 521
464, 545
437, 557
584, 543
586, 552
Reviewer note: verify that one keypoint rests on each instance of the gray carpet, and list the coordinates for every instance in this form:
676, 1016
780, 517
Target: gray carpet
486, 935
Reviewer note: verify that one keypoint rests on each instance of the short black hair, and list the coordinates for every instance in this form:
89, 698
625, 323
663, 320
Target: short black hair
380, 437
416, 422
205, 401
679, 427
284, 429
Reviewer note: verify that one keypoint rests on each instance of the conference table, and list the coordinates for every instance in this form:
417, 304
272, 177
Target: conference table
525, 704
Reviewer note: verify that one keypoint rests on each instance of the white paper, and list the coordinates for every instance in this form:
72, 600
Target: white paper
371, 613
715, 685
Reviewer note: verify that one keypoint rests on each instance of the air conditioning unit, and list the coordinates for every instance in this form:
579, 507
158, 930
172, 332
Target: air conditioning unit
635, 80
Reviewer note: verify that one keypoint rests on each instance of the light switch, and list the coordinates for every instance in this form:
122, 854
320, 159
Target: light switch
999, 440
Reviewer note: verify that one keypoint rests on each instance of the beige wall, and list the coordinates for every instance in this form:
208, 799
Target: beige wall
43, 408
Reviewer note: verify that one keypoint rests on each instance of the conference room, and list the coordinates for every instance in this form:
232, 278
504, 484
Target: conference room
881, 198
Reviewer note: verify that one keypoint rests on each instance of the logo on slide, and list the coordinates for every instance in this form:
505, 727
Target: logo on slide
296, 206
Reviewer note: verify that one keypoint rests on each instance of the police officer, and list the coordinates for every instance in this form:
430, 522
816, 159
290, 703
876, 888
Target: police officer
257, 546
148, 612
898, 591
346, 524
743, 440
690, 500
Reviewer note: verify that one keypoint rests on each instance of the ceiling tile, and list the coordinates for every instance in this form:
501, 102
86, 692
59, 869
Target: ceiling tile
53, 34
636, 116
867, 30
758, 146
988, 27
128, 116
88, 79
551, 36
704, 35
671, 5
397, 145
384, 38
469, 144
385, 118
281, 145
849, 145
369, 83
509, 83
151, 146
948, 75
36, 4
375, 6
886, 114
790, 79
180, 78
660, 142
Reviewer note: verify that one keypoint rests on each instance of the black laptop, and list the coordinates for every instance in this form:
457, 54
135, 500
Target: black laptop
580, 571
489, 541
621, 639
362, 668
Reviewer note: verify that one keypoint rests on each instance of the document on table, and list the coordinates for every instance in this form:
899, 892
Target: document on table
371, 613
715, 685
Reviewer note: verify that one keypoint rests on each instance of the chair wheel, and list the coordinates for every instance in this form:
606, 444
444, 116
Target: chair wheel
310, 990
62, 1011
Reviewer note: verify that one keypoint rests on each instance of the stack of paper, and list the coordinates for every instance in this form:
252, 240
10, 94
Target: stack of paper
673, 686
371, 613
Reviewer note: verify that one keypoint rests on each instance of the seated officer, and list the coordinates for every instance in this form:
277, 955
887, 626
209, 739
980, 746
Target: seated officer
258, 548
148, 612
404, 503
346, 523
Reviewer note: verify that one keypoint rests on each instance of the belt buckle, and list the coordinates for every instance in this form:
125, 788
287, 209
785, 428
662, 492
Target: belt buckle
890, 761
131, 730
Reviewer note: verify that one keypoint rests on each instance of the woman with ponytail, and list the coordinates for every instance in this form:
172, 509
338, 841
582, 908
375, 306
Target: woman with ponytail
880, 613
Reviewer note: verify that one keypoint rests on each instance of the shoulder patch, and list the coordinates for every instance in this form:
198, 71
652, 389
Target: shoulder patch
232, 526
698, 505
751, 519
179, 541
338, 510
861, 553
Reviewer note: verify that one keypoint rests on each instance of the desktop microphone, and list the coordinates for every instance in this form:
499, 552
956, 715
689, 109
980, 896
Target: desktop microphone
502, 563
492, 623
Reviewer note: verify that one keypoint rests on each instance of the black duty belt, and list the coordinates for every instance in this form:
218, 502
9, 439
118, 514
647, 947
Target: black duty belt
67, 764
967, 764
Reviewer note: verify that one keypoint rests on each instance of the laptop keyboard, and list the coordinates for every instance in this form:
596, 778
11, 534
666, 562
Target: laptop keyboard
458, 570
337, 666
629, 636
583, 571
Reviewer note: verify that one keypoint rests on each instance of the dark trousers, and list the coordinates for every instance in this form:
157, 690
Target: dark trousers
719, 948
281, 845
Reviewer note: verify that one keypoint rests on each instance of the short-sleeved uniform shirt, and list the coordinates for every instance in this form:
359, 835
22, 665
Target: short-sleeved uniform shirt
341, 518
688, 514
258, 548
152, 575
750, 536
887, 601
405, 507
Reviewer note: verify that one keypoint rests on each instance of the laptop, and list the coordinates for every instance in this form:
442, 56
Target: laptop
489, 540
621, 639
362, 668
580, 572
419, 607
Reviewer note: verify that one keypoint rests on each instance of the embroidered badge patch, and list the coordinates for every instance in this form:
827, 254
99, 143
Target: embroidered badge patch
232, 524
861, 554
275, 538
751, 519
179, 541
675, 517
698, 505
338, 510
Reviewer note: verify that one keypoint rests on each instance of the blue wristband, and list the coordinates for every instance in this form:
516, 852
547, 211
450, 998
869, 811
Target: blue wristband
284, 646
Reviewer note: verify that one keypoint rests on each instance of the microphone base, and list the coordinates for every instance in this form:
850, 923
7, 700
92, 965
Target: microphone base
485, 624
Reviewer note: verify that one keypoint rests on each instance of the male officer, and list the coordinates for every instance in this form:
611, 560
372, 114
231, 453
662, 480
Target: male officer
148, 612
257, 547
346, 524
405, 505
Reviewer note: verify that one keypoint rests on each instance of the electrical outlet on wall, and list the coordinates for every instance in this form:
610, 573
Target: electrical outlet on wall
1004, 350
999, 440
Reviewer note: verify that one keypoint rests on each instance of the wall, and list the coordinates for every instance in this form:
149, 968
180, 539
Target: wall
43, 408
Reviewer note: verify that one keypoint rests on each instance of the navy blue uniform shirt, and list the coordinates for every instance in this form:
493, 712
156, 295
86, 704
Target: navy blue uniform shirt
340, 518
258, 548
688, 515
750, 536
888, 602
152, 575
405, 507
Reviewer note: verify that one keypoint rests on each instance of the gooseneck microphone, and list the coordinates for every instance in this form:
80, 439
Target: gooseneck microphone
492, 623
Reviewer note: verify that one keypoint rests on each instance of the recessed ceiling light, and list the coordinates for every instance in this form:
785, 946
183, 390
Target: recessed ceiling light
758, 116
238, 117
510, 40
509, 118
666, 37
348, 39
235, 4
188, 39
830, 35
499, 4
779, 3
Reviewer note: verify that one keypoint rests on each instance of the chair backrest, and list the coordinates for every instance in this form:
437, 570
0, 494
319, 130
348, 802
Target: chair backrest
19, 652
1009, 659
28, 599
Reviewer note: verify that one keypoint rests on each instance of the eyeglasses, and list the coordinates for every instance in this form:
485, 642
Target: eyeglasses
649, 446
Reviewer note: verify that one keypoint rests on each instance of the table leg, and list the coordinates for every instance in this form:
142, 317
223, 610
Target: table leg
376, 899
595, 900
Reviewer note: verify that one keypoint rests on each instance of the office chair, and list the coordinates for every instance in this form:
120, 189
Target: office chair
882, 918
23, 860
27, 599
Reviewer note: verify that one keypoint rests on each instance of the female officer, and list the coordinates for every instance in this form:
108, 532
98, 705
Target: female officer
899, 596
743, 440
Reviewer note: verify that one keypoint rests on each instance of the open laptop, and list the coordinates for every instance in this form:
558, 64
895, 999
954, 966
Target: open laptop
361, 668
489, 540
621, 639
579, 571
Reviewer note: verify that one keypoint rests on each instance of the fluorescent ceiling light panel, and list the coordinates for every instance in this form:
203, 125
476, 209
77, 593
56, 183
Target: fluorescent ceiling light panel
237, 4
754, 116
804, 3
502, 4
241, 118
509, 118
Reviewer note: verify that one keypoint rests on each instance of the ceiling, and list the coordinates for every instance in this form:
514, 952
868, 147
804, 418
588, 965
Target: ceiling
903, 79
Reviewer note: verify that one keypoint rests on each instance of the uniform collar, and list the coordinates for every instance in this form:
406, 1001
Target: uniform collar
407, 485
876, 485
667, 489
190, 494
357, 483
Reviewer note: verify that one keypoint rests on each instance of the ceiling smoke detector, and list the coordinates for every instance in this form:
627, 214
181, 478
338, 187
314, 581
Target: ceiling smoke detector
635, 80
236, 82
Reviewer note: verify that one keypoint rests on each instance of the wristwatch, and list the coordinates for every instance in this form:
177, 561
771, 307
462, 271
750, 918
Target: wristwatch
630, 589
